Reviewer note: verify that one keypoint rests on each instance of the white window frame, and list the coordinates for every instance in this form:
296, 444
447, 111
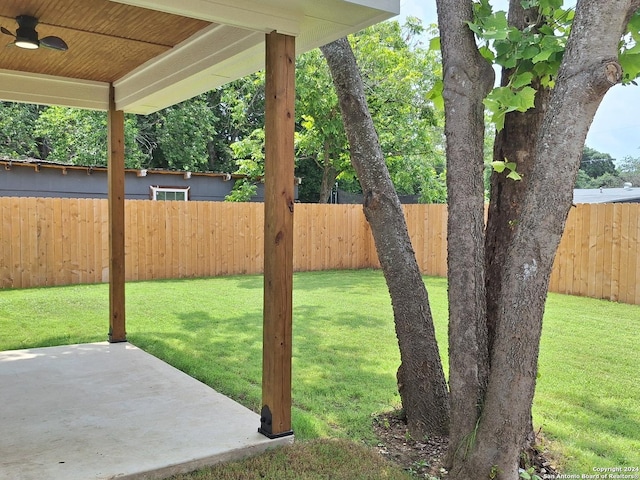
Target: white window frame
155, 189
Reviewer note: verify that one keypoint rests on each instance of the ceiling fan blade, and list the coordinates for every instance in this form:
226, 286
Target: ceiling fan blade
7, 32
55, 43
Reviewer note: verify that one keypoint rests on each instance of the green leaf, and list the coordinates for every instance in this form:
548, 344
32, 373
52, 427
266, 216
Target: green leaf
495, 105
521, 80
513, 175
482, 9
496, 26
530, 51
514, 35
547, 81
524, 99
501, 95
435, 95
434, 44
634, 24
525, 475
307, 122
546, 30
503, 47
475, 28
487, 53
507, 61
526, 4
630, 66
498, 166
550, 4
542, 56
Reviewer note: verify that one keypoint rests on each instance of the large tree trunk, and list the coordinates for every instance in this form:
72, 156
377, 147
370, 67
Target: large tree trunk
514, 143
537, 221
421, 379
467, 80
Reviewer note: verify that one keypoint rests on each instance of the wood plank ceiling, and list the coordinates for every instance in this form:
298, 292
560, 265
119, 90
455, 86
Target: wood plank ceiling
106, 39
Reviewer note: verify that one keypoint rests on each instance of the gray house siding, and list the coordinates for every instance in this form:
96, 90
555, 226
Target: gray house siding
39, 179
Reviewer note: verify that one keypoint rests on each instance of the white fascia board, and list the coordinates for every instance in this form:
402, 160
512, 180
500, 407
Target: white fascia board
390, 6
196, 65
253, 15
319, 32
49, 90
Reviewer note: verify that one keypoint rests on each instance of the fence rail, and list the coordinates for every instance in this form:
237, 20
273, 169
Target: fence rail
53, 241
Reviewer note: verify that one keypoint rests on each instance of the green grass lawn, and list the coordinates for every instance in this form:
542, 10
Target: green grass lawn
335, 459
345, 353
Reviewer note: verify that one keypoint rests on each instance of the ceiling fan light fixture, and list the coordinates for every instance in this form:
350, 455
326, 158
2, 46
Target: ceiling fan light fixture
26, 35
26, 43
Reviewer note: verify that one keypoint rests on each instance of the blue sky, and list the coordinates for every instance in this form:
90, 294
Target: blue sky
616, 127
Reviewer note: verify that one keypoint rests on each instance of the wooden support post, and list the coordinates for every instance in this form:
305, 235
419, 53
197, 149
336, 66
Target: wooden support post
278, 235
115, 140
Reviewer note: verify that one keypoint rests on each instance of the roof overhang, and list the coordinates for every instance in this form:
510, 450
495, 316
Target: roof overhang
227, 43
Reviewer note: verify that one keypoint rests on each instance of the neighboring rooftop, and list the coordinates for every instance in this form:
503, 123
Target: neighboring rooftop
607, 195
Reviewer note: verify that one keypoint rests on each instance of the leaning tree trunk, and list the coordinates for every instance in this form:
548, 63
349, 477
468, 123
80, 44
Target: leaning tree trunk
467, 80
421, 381
588, 70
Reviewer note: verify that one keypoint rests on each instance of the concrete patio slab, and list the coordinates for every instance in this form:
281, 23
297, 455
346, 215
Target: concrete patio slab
105, 411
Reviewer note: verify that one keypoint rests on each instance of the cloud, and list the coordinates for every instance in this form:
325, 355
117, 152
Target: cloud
616, 127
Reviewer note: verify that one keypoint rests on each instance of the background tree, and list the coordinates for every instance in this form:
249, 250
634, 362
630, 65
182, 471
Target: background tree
321, 144
183, 134
552, 85
597, 170
630, 170
79, 137
196, 134
17, 123
398, 74
596, 164
239, 108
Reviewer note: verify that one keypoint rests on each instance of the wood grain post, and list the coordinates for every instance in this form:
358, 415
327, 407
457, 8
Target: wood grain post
115, 140
278, 235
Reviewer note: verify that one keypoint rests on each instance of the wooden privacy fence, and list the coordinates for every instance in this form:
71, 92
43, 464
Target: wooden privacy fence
599, 254
53, 241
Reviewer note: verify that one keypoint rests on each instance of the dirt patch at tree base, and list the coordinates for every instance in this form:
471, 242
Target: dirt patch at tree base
425, 458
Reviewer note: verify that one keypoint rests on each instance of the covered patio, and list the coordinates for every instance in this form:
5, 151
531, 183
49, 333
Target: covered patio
110, 410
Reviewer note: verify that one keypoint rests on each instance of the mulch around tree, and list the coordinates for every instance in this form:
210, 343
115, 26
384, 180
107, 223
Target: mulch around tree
425, 458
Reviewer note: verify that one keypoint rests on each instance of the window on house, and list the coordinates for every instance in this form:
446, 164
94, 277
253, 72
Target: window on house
170, 193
